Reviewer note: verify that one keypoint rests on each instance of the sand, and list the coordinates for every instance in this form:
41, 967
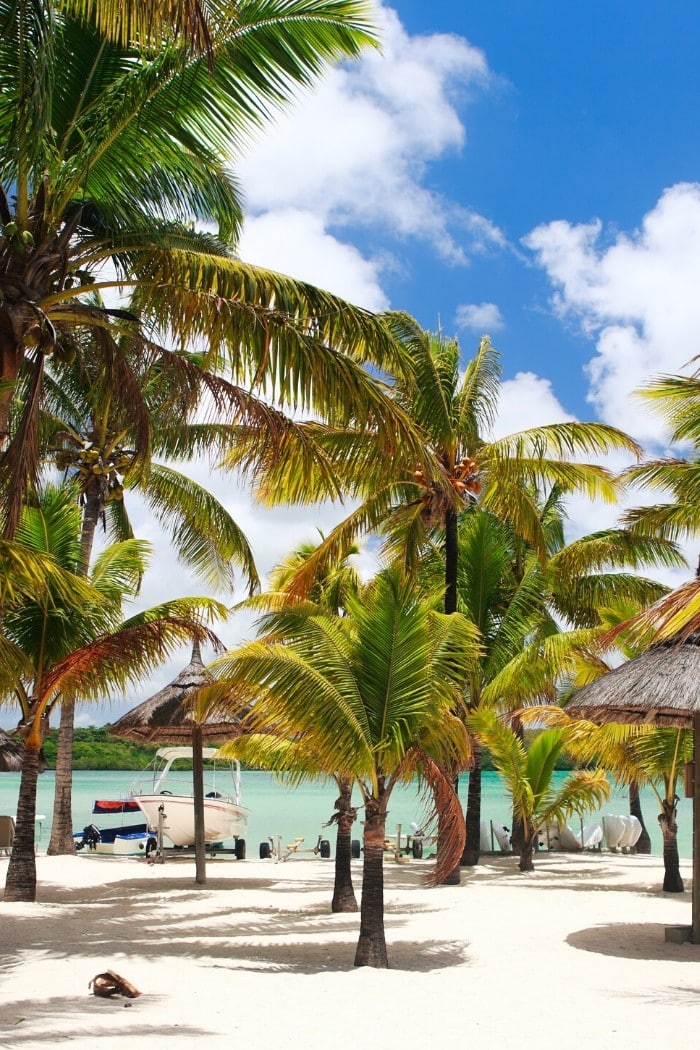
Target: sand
573, 955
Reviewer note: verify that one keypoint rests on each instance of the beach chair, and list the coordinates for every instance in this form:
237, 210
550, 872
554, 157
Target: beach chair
7, 833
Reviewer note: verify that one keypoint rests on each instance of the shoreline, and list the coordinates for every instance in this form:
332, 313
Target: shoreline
574, 952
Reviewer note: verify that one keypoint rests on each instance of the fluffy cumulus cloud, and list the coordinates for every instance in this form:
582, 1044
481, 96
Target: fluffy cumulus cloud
355, 153
527, 401
308, 252
479, 317
635, 294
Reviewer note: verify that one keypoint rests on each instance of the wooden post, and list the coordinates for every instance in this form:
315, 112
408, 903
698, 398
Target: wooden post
200, 861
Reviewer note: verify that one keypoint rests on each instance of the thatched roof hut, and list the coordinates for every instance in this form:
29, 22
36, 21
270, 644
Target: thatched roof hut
660, 687
10, 754
165, 718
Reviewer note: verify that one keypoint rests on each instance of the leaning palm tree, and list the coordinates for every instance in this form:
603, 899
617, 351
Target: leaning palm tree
63, 645
374, 690
527, 772
110, 147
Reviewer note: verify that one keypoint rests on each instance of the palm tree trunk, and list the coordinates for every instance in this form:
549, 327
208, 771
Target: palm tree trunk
61, 841
471, 853
451, 566
518, 834
20, 884
343, 890
526, 852
673, 883
644, 840
371, 947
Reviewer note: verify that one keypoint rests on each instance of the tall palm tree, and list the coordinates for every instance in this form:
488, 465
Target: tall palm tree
527, 773
284, 617
105, 444
375, 691
518, 602
454, 409
53, 652
109, 150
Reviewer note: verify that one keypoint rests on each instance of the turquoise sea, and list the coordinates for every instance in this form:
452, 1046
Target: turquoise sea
300, 812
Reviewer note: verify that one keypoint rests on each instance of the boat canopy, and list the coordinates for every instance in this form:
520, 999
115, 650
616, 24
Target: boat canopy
170, 754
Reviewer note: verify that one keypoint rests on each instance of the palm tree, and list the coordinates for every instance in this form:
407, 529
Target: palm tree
109, 150
527, 773
519, 603
415, 509
675, 398
644, 755
654, 757
105, 444
374, 690
296, 759
73, 646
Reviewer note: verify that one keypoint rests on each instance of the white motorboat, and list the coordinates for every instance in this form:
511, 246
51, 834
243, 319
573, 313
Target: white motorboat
168, 797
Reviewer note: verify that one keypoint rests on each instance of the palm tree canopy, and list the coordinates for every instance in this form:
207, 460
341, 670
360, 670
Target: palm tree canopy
368, 687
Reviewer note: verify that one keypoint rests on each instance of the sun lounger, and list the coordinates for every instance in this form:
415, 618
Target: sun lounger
569, 841
494, 837
7, 833
630, 836
591, 836
621, 831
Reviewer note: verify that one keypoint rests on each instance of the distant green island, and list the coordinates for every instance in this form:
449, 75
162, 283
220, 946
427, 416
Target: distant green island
93, 748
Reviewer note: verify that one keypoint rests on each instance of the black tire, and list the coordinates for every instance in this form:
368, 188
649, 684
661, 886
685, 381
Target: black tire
240, 849
355, 849
264, 850
417, 849
325, 848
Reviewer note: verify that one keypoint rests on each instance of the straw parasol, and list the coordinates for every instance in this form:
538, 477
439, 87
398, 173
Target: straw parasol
10, 754
167, 718
659, 687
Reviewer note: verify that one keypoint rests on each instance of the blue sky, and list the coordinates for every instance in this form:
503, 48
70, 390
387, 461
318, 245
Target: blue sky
479, 125
526, 170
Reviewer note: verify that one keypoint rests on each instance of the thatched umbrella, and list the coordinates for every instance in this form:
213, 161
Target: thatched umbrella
10, 754
167, 718
660, 687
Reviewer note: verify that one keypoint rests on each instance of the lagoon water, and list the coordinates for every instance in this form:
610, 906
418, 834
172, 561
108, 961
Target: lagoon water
300, 812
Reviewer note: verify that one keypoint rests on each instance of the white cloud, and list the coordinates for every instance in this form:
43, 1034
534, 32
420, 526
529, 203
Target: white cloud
356, 150
527, 401
479, 317
636, 294
300, 247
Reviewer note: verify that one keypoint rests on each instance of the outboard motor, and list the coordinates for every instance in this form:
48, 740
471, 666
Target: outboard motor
91, 836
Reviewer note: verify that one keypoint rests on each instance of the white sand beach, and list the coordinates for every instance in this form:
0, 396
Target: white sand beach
572, 955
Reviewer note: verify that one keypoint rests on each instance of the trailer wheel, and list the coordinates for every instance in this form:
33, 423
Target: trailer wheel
417, 849
325, 848
264, 850
355, 849
240, 849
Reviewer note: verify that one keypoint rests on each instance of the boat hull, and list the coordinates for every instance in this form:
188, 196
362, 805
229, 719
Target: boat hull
132, 841
222, 819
